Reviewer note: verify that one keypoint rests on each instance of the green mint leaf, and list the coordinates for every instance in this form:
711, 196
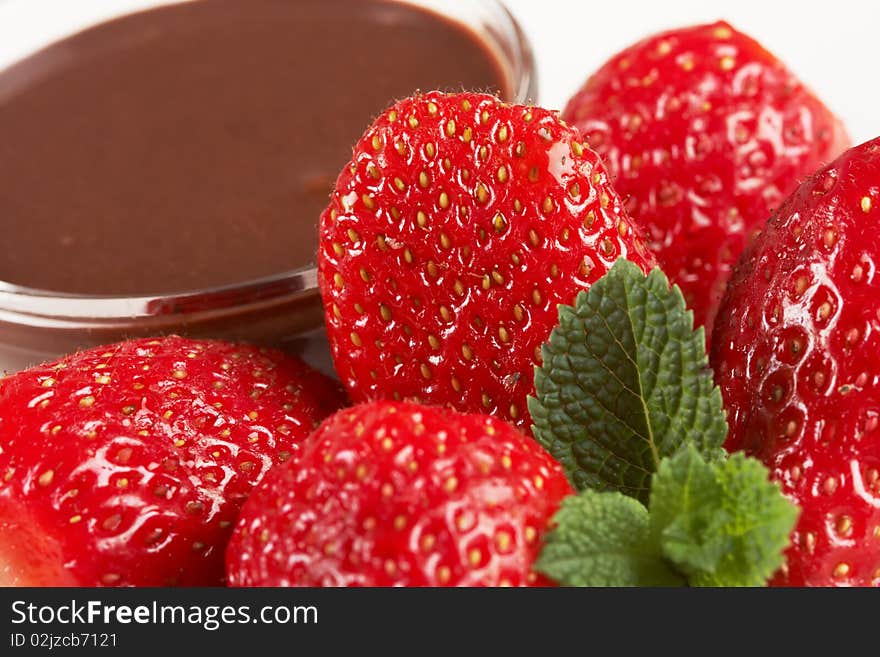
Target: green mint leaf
604, 539
624, 382
721, 523
685, 518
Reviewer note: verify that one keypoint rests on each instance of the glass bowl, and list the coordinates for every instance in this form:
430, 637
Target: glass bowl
283, 310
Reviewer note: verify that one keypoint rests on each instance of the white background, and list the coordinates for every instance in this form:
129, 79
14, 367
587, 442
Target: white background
832, 45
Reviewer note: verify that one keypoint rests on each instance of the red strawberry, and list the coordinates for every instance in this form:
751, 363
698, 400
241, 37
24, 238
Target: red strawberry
127, 464
704, 133
453, 234
397, 494
797, 356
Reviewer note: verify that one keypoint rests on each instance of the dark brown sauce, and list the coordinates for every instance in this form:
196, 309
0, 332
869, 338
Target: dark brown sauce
195, 145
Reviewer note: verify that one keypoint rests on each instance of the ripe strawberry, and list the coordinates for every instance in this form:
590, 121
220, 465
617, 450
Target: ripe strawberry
127, 464
797, 355
704, 133
453, 234
397, 494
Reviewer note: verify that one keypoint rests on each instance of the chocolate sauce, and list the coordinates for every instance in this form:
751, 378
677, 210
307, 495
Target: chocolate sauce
195, 145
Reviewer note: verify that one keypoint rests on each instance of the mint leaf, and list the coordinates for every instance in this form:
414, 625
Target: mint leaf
685, 518
624, 382
722, 523
710, 523
604, 539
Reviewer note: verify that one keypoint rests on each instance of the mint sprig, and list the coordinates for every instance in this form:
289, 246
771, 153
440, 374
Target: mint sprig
722, 523
625, 381
625, 401
709, 523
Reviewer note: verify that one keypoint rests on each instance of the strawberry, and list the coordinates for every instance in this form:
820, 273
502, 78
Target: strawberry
797, 356
704, 133
456, 229
396, 494
127, 464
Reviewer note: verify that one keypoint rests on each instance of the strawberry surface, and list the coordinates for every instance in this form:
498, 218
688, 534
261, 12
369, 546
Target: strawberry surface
797, 355
127, 464
396, 494
451, 237
704, 133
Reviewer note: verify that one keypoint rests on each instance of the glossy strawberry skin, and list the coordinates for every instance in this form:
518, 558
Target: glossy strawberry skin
127, 464
398, 494
797, 355
458, 227
704, 134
